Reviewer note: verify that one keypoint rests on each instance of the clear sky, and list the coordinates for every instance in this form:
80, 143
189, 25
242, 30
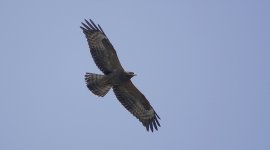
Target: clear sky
203, 65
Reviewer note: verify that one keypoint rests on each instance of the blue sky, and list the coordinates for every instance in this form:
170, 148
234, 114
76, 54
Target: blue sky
203, 65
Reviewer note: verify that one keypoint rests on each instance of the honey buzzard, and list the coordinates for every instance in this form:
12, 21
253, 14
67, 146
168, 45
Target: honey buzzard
115, 77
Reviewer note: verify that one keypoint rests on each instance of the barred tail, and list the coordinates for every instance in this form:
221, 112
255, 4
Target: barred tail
97, 84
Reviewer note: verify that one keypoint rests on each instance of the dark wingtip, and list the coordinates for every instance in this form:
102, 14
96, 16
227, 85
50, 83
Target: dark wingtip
82, 28
147, 127
91, 26
94, 24
101, 29
157, 115
153, 123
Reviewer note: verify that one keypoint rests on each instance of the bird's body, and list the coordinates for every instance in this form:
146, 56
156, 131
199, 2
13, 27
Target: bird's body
115, 77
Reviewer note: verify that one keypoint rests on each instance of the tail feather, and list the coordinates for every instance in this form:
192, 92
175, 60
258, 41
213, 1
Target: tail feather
97, 84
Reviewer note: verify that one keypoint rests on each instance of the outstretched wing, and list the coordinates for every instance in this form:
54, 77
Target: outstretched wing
101, 49
135, 102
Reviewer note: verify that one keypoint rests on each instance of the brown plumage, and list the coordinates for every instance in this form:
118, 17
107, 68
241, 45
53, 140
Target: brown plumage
115, 77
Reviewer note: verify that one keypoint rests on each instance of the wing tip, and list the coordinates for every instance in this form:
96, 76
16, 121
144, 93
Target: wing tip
152, 124
91, 26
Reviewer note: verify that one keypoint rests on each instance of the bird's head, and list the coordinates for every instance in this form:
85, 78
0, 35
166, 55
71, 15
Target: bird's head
130, 74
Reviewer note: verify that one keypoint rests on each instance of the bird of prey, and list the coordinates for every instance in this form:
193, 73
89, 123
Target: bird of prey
115, 77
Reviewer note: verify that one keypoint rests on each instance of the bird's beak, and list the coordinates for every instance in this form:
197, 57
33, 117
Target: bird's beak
134, 74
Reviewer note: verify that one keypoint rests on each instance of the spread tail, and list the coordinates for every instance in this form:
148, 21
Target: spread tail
97, 84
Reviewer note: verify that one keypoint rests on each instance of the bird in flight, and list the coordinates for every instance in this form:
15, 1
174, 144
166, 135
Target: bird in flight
115, 77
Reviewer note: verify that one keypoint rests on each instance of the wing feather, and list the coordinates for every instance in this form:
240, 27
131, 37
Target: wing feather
94, 24
101, 49
101, 29
136, 103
